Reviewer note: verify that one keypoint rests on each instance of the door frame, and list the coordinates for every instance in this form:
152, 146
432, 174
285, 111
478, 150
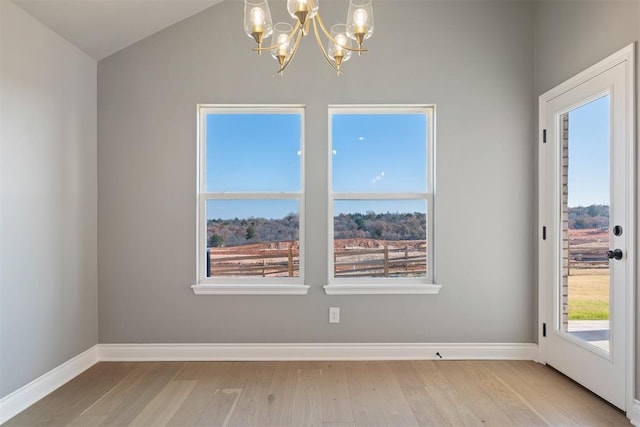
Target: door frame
627, 56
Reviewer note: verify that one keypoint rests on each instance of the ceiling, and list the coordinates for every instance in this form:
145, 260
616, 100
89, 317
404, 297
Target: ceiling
103, 27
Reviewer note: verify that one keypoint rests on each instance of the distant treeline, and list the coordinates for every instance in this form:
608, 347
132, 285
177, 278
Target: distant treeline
594, 216
385, 226
235, 232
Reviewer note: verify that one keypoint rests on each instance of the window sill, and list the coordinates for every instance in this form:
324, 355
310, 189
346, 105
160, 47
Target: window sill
382, 289
236, 289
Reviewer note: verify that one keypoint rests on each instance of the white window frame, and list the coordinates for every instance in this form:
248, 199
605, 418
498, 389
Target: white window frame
396, 285
245, 285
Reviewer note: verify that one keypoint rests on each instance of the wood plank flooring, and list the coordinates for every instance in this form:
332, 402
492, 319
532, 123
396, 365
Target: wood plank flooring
329, 394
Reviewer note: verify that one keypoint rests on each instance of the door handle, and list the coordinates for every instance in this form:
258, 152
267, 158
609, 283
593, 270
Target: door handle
616, 253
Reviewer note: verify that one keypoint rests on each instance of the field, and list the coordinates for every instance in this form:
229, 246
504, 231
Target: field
589, 294
588, 275
588, 249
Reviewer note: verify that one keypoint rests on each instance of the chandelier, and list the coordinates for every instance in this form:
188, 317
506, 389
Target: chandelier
286, 37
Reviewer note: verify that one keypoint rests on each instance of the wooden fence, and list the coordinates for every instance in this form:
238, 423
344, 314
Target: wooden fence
385, 262
264, 262
358, 262
588, 258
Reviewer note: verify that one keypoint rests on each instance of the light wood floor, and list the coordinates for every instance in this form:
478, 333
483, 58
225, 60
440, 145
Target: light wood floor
403, 393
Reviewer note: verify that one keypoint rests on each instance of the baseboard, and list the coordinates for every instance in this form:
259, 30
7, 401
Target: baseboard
14, 403
19, 400
333, 351
634, 413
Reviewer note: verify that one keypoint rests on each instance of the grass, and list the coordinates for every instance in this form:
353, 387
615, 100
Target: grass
589, 294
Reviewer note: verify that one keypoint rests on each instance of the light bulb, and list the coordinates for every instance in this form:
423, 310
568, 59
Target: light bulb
360, 17
283, 44
341, 42
257, 16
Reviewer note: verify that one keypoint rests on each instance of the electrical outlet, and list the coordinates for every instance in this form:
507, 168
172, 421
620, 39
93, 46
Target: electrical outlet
334, 314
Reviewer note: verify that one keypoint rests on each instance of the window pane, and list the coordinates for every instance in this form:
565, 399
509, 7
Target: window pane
586, 194
249, 238
379, 153
252, 152
380, 238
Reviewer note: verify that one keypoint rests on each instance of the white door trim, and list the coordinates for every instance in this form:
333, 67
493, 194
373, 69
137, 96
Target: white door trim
627, 56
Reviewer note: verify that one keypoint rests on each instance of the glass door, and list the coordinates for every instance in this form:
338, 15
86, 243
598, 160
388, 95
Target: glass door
585, 201
586, 193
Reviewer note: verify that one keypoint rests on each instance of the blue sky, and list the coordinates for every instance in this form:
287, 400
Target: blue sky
253, 152
261, 152
379, 153
370, 154
589, 154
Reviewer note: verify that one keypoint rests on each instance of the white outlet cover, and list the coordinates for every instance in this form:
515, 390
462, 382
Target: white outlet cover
334, 314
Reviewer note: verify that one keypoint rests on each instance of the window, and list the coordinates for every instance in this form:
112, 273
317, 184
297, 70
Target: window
250, 200
381, 199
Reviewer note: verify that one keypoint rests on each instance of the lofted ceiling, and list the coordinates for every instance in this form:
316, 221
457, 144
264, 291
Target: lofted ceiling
103, 27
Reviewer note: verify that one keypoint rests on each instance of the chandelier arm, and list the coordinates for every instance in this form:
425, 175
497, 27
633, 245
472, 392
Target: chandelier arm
293, 53
324, 52
306, 27
275, 46
330, 37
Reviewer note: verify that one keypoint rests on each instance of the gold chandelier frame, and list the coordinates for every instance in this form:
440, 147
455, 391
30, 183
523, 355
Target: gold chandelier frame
301, 29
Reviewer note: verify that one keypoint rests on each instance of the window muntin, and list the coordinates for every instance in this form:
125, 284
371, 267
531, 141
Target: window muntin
381, 198
250, 196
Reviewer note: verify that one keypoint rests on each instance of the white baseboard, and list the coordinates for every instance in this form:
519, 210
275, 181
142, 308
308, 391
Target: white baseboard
14, 403
634, 413
333, 351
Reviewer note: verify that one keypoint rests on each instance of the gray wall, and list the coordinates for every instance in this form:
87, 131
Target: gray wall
48, 202
570, 36
473, 59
